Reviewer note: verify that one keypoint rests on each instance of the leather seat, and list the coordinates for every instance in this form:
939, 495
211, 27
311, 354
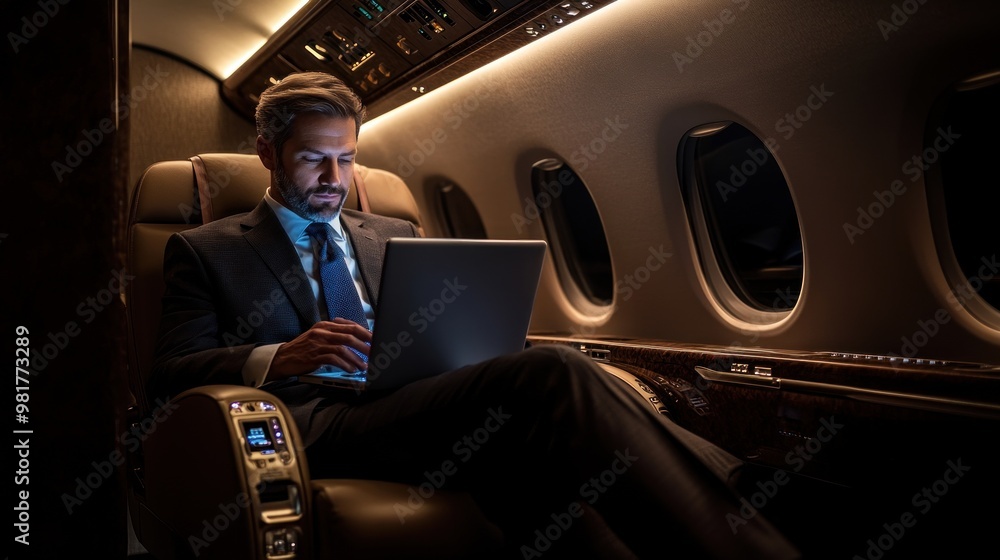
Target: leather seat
187, 478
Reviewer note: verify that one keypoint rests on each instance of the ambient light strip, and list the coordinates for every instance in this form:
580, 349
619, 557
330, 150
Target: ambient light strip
552, 44
256, 46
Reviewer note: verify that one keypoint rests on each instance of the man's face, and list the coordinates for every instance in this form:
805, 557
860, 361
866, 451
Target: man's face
313, 172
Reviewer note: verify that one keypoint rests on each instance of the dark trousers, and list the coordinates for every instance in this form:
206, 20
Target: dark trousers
545, 437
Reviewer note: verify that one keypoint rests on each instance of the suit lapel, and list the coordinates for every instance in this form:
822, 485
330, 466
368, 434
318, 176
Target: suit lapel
268, 238
369, 250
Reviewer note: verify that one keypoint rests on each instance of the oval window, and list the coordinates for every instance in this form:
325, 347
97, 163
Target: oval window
457, 212
575, 232
959, 160
744, 220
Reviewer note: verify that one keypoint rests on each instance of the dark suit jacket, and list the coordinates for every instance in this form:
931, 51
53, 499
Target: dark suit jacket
238, 283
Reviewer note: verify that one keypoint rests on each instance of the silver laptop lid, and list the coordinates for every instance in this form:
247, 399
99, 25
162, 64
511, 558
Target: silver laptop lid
447, 303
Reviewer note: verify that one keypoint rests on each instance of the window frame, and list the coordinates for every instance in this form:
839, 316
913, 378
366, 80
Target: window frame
579, 296
723, 285
934, 187
438, 190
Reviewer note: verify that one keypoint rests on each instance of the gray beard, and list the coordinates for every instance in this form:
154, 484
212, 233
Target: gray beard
297, 198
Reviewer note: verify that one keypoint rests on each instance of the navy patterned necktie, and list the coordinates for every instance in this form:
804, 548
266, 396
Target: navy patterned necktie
341, 296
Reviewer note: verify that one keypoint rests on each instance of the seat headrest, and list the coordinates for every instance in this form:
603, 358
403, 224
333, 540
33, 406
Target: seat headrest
166, 193
212, 186
229, 183
232, 183
387, 195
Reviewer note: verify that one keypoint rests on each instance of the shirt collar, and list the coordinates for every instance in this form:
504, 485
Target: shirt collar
295, 225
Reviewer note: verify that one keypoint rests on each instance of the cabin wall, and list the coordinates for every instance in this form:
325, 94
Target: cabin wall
63, 247
865, 294
179, 112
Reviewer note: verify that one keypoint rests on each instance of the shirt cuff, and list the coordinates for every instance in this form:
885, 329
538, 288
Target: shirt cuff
257, 365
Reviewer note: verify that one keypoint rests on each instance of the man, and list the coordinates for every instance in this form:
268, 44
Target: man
566, 441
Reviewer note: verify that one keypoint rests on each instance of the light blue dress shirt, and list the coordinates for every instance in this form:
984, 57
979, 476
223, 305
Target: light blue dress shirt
256, 367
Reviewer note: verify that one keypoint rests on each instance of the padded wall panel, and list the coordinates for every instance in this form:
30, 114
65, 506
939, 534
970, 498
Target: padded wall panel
614, 94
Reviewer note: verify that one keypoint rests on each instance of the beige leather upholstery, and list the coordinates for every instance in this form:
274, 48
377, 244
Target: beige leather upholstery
352, 518
163, 203
173, 196
233, 183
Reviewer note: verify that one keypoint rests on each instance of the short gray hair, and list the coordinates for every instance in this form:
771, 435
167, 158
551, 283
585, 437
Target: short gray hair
304, 92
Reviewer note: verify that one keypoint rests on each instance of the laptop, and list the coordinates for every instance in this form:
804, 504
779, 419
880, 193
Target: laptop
445, 303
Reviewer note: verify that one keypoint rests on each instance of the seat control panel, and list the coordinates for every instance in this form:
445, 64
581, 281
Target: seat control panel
264, 439
275, 481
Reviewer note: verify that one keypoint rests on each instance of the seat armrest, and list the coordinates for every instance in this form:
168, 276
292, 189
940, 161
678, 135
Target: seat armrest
206, 495
225, 476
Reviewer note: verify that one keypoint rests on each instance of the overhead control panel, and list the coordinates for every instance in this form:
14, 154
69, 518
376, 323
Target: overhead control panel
393, 51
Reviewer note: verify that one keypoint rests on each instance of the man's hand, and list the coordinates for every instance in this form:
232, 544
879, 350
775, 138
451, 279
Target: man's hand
325, 343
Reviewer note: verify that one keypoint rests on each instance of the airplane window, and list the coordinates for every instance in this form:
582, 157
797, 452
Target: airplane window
575, 232
456, 211
959, 159
745, 223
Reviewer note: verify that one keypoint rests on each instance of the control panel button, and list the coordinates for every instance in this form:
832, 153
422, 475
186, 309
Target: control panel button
405, 46
569, 9
281, 543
